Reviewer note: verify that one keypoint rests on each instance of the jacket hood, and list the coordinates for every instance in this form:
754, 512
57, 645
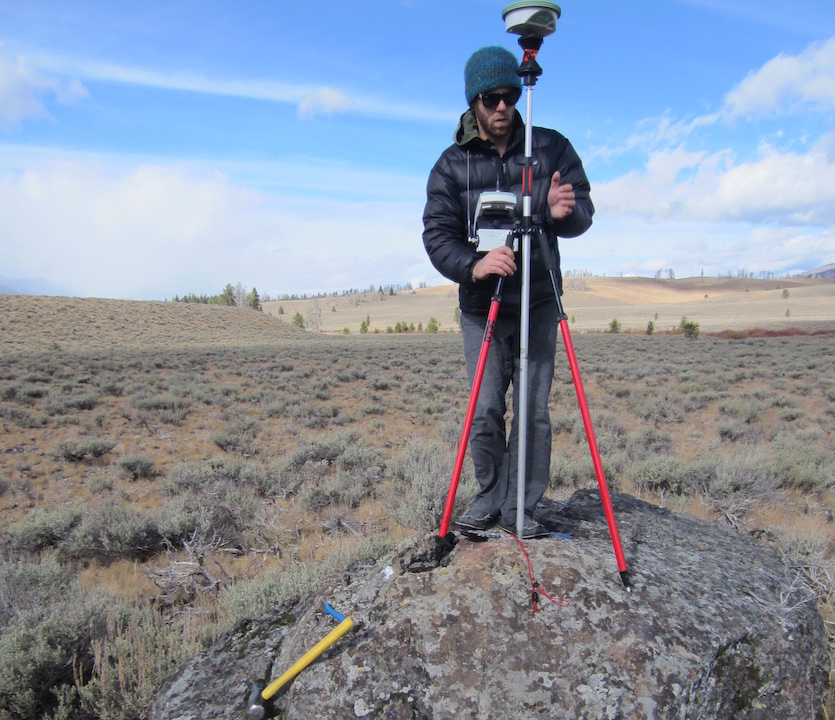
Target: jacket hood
467, 129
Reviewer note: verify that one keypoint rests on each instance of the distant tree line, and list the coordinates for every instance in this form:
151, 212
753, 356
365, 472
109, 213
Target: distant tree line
390, 289
239, 296
670, 274
236, 296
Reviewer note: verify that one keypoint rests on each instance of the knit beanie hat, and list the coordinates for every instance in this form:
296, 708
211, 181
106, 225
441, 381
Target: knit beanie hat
488, 68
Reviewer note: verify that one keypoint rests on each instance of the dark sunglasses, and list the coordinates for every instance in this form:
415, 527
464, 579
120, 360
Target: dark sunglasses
491, 100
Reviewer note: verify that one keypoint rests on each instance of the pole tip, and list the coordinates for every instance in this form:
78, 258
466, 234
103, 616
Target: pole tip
624, 577
444, 545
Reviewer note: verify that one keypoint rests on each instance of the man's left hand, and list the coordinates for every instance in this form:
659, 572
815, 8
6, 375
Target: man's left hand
560, 198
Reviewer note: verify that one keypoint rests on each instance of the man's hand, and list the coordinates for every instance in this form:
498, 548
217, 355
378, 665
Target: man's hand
499, 261
560, 198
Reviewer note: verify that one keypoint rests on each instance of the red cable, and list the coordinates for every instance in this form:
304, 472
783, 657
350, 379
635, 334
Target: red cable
536, 590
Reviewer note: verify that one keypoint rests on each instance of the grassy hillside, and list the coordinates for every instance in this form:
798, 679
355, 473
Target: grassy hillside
717, 304
31, 323
169, 469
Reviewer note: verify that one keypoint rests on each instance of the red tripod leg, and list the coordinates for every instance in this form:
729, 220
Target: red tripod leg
548, 256
468, 420
595, 453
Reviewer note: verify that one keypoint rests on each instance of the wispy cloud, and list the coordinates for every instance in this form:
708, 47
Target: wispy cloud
784, 85
310, 100
325, 101
255, 89
652, 133
23, 90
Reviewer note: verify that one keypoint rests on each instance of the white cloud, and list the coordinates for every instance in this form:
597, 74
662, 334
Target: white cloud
787, 82
110, 228
324, 101
112, 233
113, 227
638, 246
22, 91
781, 187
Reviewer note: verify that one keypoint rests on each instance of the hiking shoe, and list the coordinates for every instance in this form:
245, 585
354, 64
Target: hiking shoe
477, 521
530, 529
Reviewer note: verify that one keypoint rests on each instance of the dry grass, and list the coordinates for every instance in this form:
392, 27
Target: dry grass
247, 457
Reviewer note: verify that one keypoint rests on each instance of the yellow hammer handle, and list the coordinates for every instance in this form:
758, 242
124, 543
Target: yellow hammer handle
308, 658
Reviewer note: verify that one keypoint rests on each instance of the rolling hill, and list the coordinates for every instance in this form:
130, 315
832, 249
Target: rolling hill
591, 303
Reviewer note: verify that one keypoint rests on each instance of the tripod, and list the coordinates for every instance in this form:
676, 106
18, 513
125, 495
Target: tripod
529, 70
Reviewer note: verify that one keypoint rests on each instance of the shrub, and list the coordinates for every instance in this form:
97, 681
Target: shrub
664, 474
286, 586
161, 408
48, 624
312, 415
563, 423
660, 408
112, 532
22, 418
421, 476
137, 466
290, 475
45, 528
73, 451
217, 477
739, 478
610, 434
137, 651
32, 392
689, 328
733, 431
372, 409
648, 442
340, 489
346, 452
614, 326
62, 404
8, 392
240, 437
802, 467
570, 473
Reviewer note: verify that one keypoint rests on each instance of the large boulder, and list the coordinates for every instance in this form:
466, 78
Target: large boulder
713, 625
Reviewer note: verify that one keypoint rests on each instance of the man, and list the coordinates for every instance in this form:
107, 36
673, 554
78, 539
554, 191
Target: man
489, 154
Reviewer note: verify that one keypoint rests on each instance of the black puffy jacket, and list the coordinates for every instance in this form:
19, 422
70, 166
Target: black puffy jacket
472, 165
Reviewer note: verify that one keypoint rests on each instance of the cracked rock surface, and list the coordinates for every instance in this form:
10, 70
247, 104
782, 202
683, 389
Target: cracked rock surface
714, 625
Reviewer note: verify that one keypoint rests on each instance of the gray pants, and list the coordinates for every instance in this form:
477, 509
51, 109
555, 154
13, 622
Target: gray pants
495, 455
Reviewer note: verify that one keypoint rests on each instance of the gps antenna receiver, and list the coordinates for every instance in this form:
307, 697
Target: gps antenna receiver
531, 19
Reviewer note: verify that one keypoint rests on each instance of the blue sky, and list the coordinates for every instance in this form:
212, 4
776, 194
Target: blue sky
165, 147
